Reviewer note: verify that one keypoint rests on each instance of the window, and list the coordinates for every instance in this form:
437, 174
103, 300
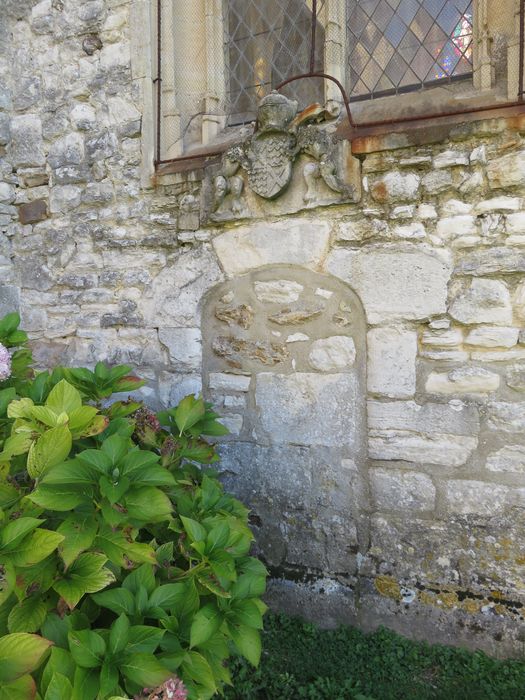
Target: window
219, 57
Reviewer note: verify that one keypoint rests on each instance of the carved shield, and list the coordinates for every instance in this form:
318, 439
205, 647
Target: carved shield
270, 168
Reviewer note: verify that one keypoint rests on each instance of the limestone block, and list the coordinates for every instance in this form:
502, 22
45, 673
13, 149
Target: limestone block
305, 408
498, 204
297, 338
490, 261
450, 158
393, 489
237, 350
5, 129
466, 496
509, 459
493, 337
392, 362
278, 291
404, 211
515, 223
67, 150
83, 116
395, 187
9, 299
455, 207
410, 231
446, 338
507, 171
485, 301
293, 241
64, 198
507, 417
26, 147
515, 377
499, 355
228, 382
32, 212
439, 448
334, 354
437, 181
398, 282
455, 418
232, 421
184, 347
464, 380
174, 387
426, 211
453, 226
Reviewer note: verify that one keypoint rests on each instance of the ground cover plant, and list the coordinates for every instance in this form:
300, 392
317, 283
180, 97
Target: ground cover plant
124, 567
302, 661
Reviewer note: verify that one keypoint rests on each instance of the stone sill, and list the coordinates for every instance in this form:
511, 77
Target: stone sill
389, 135
374, 137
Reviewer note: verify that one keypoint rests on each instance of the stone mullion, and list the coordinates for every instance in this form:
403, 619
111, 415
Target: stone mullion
335, 49
482, 42
513, 55
170, 135
215, 97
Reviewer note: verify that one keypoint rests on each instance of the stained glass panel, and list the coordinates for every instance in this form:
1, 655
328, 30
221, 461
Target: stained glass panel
403, 44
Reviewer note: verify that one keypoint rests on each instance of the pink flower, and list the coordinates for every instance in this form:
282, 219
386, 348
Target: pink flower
5, 363
172, 689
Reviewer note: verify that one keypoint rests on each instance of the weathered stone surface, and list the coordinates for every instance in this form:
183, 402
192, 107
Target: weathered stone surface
477, 497
454, 226
450, 158
32, 212
464, 380
297, 338
493, 337
507, 417
515, 223
395, 282
485, 301
456, 418
237, 350
9, 299
308, 409
446, 338
392, 362
229, 382
278, 291
295, 242
393, 489
438, 448
295, 316
232, 421
184, 347
508, 459
507, 171
395, 187
241, 315
501, 204
26, 147
334, 354
515, 377
494, 260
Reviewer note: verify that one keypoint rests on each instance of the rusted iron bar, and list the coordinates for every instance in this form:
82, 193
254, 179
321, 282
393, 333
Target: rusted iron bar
522, 48
158, 81
315, 74
313, 41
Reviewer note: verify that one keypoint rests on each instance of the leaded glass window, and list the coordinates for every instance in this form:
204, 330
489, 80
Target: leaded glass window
399, 45
267, 41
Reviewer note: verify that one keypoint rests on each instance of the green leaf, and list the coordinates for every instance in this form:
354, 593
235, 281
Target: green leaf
27, 616
113, 492
143, 577
168, 596
64, 398
9, 494
45, 415
97, 459
188, 412
50, 449
60, 661
138, 461
248, 613
195, 530
86, 575
119, 634
72, 472
121, 550
205, 623
59, 688
22, 689
198, 669
80, 418
213, 428
248, 642
148, 504
86, 684
109, 678
21, 653
79, 531
15, 531
115, 448
9, 324
55, 629
119, 600
217, 537
7, 581
36, 547
20, 409
58, 498
145, 639
87, 648
6, 396
144, 670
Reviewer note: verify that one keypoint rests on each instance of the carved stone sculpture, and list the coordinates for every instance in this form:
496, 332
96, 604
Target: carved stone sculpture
268, 156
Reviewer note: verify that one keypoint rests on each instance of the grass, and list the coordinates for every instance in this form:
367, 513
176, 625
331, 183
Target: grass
301, 661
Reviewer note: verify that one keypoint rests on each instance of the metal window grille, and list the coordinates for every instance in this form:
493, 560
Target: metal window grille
213, 67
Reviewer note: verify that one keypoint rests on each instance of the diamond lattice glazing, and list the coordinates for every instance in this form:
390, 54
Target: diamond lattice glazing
395, 45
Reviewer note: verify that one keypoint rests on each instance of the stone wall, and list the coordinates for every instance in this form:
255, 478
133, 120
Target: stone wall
369, 356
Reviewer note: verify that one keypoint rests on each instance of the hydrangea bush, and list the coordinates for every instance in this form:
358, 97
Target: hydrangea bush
124, 567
